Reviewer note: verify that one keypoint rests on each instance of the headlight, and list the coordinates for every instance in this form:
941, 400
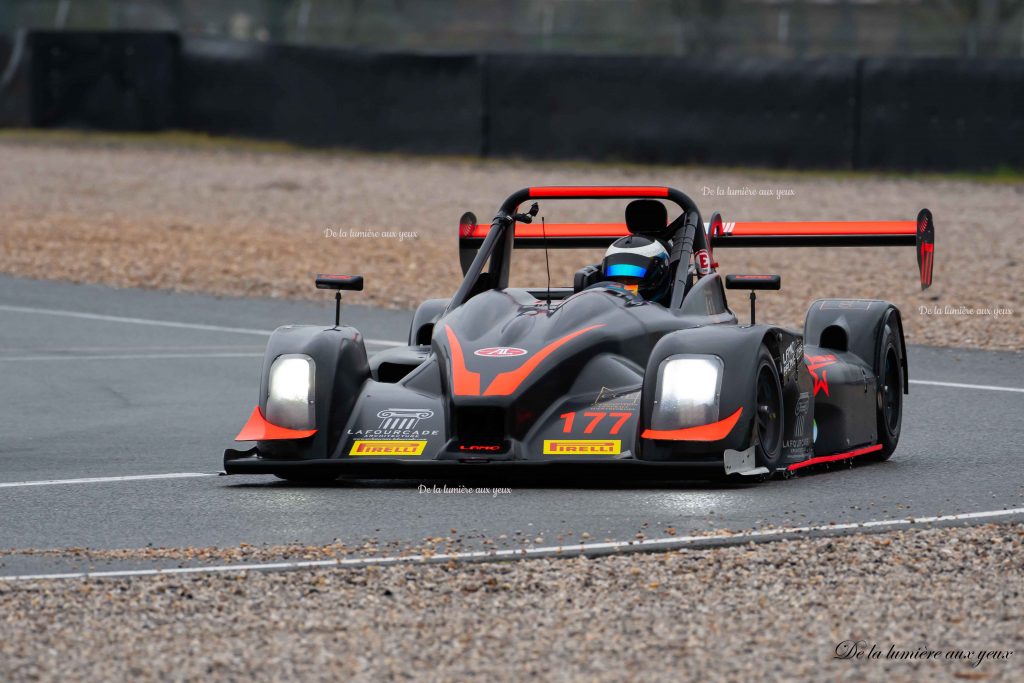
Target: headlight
290, 392
688, 391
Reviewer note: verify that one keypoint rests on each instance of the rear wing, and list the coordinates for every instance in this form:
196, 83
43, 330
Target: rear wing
919, 234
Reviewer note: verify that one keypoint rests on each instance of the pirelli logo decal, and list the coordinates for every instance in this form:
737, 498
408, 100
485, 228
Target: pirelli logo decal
582, 446
388, 447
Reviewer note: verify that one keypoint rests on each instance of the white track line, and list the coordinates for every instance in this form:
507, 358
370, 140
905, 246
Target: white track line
955, 385
132, 356
102, 480
134, 321
160, 323
668, 543
375, 342
179, 348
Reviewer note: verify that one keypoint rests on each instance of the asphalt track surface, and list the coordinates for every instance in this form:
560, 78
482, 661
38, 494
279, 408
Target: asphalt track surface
117, 405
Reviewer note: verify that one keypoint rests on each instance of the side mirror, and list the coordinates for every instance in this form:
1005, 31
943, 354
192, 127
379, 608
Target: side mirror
337, 283
349, 282
753, 282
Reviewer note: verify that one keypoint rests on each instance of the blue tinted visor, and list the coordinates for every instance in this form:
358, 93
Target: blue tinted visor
625, 270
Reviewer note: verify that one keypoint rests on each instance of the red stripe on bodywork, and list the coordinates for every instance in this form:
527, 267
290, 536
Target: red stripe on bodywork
258, 429
464, 382
716, 431
507, 382
838, 456
587, 192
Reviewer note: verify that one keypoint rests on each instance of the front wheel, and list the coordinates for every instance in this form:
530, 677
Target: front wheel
768, 421
890, 394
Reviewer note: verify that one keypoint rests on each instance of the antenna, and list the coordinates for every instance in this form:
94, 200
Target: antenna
528, 218
547, 263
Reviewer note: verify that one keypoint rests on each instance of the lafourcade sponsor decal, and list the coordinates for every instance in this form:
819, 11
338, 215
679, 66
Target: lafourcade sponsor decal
582, 446
387, 447
403, 418
398, 423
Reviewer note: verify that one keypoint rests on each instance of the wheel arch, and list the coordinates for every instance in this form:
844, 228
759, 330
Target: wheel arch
738, 347
340, 371
421, 329
863, 321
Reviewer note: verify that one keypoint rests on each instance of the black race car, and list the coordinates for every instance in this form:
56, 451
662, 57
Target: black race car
593, 375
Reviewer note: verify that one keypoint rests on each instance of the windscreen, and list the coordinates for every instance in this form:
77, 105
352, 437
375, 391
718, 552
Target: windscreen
529, 267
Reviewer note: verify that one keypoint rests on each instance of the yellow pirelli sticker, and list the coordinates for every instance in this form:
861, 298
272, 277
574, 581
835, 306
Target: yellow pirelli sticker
582, 447
388, 447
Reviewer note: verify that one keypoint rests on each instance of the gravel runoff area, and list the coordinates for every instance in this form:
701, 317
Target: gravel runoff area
923, 604
188, 214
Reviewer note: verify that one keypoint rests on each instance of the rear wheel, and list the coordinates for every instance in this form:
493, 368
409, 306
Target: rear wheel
890, 394
768, 421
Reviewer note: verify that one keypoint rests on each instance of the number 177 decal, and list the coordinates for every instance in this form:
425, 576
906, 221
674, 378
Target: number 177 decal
596, 417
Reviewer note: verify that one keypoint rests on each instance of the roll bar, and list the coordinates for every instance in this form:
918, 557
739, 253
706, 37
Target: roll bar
497, 244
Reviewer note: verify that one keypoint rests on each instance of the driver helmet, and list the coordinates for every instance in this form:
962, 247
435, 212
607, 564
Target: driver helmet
639, 264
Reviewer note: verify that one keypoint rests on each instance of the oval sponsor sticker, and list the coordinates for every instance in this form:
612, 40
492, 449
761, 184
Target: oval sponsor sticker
500, 352
703, 261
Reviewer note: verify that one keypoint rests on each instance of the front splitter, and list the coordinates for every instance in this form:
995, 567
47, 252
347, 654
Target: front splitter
408, 468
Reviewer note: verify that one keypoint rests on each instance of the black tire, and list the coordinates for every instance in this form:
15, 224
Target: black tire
306, 476
769, 416
890, 392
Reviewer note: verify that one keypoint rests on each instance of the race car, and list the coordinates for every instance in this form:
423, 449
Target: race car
595, 375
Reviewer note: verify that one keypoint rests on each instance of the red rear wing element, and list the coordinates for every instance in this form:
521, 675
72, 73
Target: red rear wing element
821, 228
919, 233
814, 233
567, 235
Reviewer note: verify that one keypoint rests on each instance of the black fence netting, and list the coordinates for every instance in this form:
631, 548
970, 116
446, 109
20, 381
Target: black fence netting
323, 96
15, 81
763, 112
112, 81
942, 114
813, 113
